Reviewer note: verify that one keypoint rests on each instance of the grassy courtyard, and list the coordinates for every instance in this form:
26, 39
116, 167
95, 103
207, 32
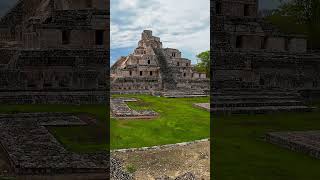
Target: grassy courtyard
178, 122
240, 152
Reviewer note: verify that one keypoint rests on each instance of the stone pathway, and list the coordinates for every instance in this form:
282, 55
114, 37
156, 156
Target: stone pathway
183, 162
33, 150
307, 142
120, 110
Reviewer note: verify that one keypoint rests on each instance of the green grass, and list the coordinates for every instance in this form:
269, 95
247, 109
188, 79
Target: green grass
239, 151
179, 121
78, 139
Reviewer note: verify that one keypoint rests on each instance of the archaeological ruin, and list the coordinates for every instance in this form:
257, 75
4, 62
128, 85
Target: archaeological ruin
256, 67
56, 49
152, 68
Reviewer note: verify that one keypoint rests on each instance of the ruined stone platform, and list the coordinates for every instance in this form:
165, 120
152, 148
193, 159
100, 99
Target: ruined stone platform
33, 150
53, 97
120, 110
307, 142
183, 94
204, 106
257, 101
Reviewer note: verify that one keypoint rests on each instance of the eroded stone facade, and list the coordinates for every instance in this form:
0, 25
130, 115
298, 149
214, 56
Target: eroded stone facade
55, 46
249, 52
154, 68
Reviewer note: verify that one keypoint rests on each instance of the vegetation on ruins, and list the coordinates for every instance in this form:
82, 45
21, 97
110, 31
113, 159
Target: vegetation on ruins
300, 16
204, 63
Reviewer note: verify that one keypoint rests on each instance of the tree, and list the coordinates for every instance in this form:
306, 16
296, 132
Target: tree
305, 13
203, 64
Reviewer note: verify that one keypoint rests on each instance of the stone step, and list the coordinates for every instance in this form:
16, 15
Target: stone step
225, 98
251, 103
260, 110
251, 90
185, 96
278, 93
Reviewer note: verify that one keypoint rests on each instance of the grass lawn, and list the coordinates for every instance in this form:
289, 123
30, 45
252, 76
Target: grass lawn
240, 152
78, 139
179, 121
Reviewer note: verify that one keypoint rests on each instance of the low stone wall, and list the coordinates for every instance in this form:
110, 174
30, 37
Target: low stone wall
160, 146
307, 142
146, 92
120, 110
67, 97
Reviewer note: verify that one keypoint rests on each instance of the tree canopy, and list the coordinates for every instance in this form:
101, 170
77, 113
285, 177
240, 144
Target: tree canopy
203, 64
300, 16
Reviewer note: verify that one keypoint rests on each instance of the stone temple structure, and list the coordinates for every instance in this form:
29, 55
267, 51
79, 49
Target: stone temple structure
252, 58
54, 51
154, 68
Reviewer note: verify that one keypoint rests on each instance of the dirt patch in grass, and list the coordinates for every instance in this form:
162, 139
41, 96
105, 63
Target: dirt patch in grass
172, 161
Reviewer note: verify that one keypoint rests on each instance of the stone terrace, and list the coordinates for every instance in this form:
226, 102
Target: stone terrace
33, 150
307, 142
119, 109
256, 101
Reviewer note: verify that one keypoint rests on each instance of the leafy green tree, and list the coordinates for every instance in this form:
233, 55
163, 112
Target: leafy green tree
203, 64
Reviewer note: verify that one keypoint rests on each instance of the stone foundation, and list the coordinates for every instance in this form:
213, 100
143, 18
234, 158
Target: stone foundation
120, 110
33, 150
307, 142
58, 97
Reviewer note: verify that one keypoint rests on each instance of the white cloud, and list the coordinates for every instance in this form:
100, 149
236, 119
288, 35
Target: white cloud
182, 24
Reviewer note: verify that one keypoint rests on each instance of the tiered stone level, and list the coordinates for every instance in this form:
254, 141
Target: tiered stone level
152, 68
246, 101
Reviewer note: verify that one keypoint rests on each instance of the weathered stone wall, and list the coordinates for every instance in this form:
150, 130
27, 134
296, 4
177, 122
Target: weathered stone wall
289, 71
53, 69
80, 4
237, 7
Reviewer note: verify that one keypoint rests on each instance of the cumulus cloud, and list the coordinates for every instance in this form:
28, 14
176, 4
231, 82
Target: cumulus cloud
182, 24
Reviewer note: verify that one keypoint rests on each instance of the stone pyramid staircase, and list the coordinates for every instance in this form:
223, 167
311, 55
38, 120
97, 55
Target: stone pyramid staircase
166, 73
256, 101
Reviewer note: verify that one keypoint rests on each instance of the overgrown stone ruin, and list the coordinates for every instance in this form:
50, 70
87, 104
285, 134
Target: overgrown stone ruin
154, 69
55, 47
254, 63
